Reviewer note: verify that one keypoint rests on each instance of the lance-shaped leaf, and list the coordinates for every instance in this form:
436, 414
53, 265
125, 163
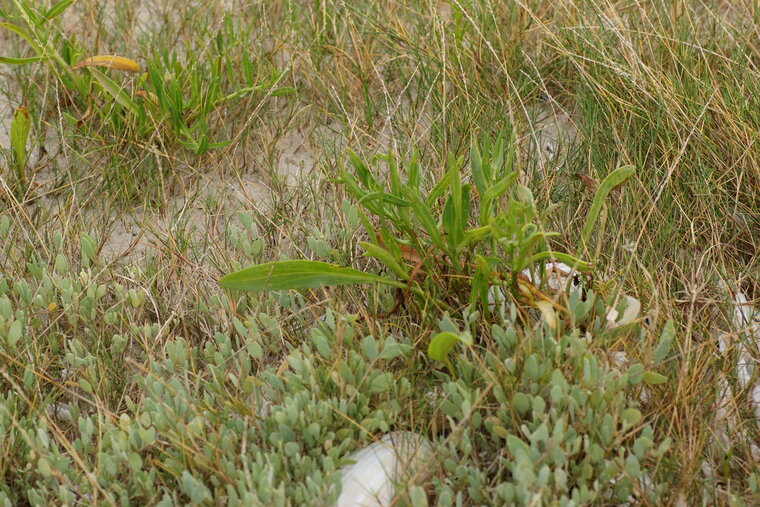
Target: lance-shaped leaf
298, 274
613, 180
19, 61
57, 9
23, 33
20, 126
115, 91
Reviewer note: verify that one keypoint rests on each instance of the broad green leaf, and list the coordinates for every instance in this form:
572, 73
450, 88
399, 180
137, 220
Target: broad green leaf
115, 91
44, 468
381, 383
298, 274
438, 190
369, 347
653, 378
386, 258
88, 248
615, 178
19, 61
480, 283
666, 339
525, 196
450, 224
478, 234
413, 171
516, 446
635, 373
20, 126
363, 172
442, 343
393, 175
632, 416
422, 211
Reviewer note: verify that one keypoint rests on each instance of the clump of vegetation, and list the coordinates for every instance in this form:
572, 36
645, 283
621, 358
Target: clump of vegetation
156, 149
551, 437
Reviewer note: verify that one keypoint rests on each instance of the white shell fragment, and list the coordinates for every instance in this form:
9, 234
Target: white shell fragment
747, 324
631, 313
59, 411
745, 339
558, 275
399, 457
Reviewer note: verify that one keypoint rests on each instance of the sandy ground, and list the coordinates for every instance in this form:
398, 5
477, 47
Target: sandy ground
134, 235
6, 115
554, 135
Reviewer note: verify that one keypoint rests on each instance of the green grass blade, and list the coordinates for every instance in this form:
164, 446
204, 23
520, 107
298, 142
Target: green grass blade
615, 178
298, 274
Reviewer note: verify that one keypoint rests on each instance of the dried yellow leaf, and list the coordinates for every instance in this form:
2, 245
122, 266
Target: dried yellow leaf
110, 62
547, 312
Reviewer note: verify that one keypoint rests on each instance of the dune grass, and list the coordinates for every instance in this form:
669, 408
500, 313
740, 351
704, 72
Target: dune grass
129, 375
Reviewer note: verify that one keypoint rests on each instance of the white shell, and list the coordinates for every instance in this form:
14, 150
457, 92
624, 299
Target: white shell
745, 338
371, 480
59, 411
631, 313
747, 323
559, 276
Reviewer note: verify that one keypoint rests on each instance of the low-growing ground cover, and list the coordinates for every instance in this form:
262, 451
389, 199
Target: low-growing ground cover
435, 146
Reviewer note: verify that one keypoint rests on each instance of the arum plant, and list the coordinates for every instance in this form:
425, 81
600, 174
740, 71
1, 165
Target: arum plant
447, 247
